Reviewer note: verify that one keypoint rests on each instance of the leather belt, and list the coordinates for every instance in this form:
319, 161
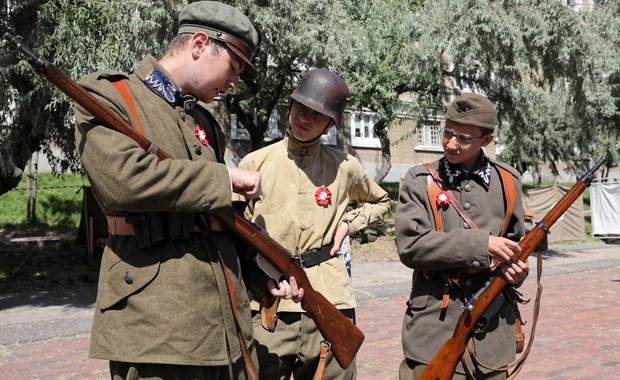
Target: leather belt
118, 226
314, 257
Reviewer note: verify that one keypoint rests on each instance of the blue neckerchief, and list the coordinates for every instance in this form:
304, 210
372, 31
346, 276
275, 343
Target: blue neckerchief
164, 87
455, 175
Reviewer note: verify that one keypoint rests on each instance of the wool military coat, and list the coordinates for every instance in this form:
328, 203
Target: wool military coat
424, 249
167, 304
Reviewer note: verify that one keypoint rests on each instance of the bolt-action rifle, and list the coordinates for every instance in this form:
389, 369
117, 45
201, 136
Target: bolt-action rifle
445, 360
344, 337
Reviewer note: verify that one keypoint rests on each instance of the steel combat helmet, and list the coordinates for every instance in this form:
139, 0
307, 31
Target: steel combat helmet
325, 92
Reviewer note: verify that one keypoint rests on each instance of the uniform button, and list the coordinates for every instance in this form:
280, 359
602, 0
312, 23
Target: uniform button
183, 115
468, 282
467, 188
197, 149
467, 205
475, 264
206, 207
128, 279
466, 226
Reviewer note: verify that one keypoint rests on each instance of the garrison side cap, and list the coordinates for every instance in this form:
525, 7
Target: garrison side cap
223, 23
472, 109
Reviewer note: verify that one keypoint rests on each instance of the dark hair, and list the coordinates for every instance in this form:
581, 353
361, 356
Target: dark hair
178, 43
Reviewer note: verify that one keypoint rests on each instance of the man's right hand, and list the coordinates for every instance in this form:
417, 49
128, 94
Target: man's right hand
502, 250
245, 182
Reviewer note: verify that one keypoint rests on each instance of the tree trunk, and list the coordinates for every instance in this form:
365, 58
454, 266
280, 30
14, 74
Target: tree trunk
380, 130
31, 191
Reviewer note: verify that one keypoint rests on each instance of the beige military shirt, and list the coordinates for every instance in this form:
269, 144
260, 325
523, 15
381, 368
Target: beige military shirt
289, 212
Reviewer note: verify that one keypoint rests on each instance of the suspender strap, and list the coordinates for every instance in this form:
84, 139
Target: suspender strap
509, 196
123, 89
439, 182
435, 186
433, 193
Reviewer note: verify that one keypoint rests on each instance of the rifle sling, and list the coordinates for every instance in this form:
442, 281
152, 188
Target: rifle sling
123, 89
520, 362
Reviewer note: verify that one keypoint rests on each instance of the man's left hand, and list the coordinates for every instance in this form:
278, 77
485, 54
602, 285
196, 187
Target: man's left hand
286, 289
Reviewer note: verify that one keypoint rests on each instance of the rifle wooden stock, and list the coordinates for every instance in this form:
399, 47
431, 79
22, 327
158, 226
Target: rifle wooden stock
444, 362
345, 338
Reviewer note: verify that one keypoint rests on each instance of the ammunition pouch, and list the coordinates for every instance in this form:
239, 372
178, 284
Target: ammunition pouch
152, 229
147, 228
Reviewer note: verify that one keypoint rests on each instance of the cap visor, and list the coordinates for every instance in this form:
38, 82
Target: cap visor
249, 72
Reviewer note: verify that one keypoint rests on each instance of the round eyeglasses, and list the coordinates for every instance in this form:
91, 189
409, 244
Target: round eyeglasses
461, 139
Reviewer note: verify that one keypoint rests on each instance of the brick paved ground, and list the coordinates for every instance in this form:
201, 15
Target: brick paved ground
578, 337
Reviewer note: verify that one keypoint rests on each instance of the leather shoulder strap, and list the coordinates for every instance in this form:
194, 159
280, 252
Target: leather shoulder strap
123, 89
509, 196
433, 192
453, 200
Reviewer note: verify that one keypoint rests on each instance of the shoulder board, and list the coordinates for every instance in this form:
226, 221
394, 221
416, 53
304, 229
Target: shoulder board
420, 170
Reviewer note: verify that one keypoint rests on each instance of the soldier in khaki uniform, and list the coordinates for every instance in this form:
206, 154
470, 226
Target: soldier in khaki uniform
453, 261
306, 190
163, 310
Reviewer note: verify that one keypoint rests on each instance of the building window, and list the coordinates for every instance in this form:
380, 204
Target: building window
428, 136
329, 137
238, 132
362, 133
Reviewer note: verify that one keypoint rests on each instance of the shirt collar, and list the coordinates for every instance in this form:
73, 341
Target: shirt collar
454, 174
294, 146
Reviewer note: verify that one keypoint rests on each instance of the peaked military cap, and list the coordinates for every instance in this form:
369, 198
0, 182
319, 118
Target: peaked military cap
223, 23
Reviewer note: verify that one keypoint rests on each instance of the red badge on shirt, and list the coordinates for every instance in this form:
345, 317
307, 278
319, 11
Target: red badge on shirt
322, 196
443, 199
201, 135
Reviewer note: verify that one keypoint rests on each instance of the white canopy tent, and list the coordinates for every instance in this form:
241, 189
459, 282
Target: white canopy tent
605, 204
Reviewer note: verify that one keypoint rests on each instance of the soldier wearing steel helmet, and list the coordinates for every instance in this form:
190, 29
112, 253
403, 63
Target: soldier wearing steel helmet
307, 187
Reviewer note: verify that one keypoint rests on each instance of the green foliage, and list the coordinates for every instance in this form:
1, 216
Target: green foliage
57, 208
547, 67
78, 37
553, 73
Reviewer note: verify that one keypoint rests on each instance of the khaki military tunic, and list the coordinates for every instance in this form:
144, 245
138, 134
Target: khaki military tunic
167, 304
289, 212
422, 248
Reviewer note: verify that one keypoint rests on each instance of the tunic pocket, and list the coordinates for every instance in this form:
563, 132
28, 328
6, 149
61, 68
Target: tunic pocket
418, 302
127, 276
